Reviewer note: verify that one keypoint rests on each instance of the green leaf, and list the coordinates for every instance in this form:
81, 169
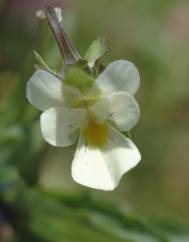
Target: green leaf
78, 78
96, 50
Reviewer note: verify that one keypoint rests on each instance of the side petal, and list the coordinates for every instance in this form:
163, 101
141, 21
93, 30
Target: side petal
103, 168
120, 75
44, 90
59, 125
120, 108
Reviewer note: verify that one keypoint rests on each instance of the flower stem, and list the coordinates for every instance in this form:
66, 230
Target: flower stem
55, 22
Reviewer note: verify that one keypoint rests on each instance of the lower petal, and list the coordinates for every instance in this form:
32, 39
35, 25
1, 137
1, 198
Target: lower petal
89, 167
103, 168
120, 153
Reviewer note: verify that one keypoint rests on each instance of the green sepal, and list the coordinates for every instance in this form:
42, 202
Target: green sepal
96, 50
79, 79
41, 64
129, 134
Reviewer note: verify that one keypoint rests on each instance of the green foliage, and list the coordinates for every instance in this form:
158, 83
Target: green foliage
50, 217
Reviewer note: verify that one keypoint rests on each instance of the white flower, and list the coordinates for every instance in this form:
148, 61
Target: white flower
97, 117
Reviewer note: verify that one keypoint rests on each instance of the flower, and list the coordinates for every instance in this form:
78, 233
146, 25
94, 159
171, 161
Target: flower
97, 113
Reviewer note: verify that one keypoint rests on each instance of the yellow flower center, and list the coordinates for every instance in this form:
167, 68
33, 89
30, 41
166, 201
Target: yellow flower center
96, 134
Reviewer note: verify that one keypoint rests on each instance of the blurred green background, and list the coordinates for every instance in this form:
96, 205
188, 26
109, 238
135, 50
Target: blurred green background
39, 201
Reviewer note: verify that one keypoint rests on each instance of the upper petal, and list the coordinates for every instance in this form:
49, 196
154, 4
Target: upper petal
103, 168
59, 125
120, 108
120, 75
44, 90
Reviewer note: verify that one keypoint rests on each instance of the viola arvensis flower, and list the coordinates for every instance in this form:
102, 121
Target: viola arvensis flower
97, 113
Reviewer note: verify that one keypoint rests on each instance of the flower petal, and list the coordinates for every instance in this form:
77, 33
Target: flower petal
59, 125
44, 90
120, 108
121, 153
120, 75
103, 168
89, 167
